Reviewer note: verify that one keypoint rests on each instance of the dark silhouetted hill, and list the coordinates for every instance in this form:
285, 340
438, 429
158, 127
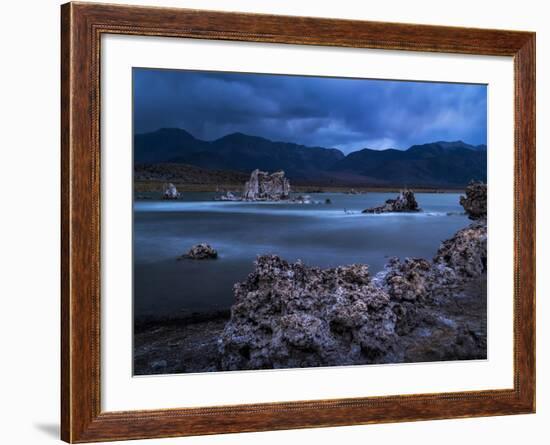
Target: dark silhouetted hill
436, 164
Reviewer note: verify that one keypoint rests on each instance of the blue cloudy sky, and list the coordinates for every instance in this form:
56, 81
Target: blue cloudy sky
349, 114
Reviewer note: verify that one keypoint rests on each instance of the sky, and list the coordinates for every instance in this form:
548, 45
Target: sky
348, 114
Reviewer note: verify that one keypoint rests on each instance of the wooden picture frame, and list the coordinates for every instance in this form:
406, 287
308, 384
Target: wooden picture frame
82, 26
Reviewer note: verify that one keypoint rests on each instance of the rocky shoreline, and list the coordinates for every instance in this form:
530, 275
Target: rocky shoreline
177, 345
289, 315
174, 346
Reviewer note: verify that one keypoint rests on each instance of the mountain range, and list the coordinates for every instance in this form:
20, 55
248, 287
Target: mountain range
435, 164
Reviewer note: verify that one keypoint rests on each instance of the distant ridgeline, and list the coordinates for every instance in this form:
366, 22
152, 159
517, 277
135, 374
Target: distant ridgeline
172, 152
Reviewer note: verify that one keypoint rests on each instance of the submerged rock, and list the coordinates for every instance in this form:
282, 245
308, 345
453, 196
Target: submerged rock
170, 192
291, 315
405, 202
475, 201
228, 196
200, 251
263, 186
302, 199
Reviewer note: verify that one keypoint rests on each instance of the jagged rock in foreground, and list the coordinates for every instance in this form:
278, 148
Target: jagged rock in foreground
291, 315
475, 201
418, 286
170, 192
405, 202
200, 251
408, 280
466, 252
263, 186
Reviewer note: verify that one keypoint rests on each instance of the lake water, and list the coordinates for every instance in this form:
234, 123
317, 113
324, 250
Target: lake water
325, 235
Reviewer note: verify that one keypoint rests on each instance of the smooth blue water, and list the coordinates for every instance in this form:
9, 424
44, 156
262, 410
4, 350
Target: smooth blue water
324, 235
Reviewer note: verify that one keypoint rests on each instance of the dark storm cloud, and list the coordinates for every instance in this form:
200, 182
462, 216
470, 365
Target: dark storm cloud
349, 114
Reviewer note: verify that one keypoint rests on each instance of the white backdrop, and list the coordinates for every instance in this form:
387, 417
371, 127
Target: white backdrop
121, 392
29, 80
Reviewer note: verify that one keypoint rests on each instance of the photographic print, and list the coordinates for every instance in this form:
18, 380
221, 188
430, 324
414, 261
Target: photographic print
287, 221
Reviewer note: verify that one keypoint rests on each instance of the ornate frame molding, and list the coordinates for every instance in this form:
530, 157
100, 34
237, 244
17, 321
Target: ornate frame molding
82, 25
